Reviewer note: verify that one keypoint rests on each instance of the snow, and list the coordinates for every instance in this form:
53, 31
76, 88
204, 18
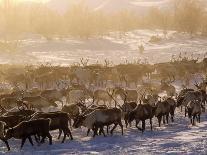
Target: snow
36, 50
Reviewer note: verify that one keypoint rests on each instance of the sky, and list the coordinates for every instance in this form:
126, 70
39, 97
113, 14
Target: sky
42, 1
105, 5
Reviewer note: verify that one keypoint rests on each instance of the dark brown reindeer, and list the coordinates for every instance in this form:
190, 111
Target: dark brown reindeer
141, 113
59, 120
127, 107
26, 129
163, 109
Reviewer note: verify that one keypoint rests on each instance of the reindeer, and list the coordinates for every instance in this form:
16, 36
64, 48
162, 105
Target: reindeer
126, 108
190, 96
75, 95
84, 75
173, 105
54, 95
26, 129
132, 95
12, 120
169, 88
90, 109
73, 110
59, 120
202, 88
19, 112
163, 109
9, 102
141, 113
102, 95
194, 109
99, 118
39, 102
2, 131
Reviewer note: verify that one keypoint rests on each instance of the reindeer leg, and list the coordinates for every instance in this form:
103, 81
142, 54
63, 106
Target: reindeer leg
194, 119
102, 131
143, 126
43, 139
185, 111
23, 141
159, 120
107, 129
60, 132
126, 122
37, 139
30, 140
199, 118
137, 122
7, 144
65, 133
163, 119
95, 131
151, 123
69, 134
99, 132
172, 118
167, 118
113, 128
88, 131
50, 138
122, 130
172, 113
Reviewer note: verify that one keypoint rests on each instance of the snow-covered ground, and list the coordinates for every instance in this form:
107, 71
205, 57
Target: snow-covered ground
34, 49
176, 138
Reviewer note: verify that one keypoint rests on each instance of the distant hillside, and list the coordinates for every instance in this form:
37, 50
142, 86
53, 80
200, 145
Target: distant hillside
109, 6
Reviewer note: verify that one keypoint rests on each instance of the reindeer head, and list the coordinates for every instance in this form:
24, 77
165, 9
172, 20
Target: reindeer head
131, 116
9, 133
78, 121
52, 103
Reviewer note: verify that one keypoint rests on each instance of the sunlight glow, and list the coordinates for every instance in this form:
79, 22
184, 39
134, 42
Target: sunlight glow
17, 1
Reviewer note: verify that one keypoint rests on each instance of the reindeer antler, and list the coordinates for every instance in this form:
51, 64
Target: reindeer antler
143, 94
111, 95
125, 96
84, 62
3, 110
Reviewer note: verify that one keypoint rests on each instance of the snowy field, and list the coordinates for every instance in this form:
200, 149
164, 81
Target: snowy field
35, 50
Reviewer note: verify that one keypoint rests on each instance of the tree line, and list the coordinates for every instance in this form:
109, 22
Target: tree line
187, 16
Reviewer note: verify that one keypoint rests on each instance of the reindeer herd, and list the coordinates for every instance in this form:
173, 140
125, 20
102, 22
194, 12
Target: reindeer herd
97, 97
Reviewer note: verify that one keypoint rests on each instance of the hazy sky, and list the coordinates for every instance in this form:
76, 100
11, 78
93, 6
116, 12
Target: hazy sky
43, 1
